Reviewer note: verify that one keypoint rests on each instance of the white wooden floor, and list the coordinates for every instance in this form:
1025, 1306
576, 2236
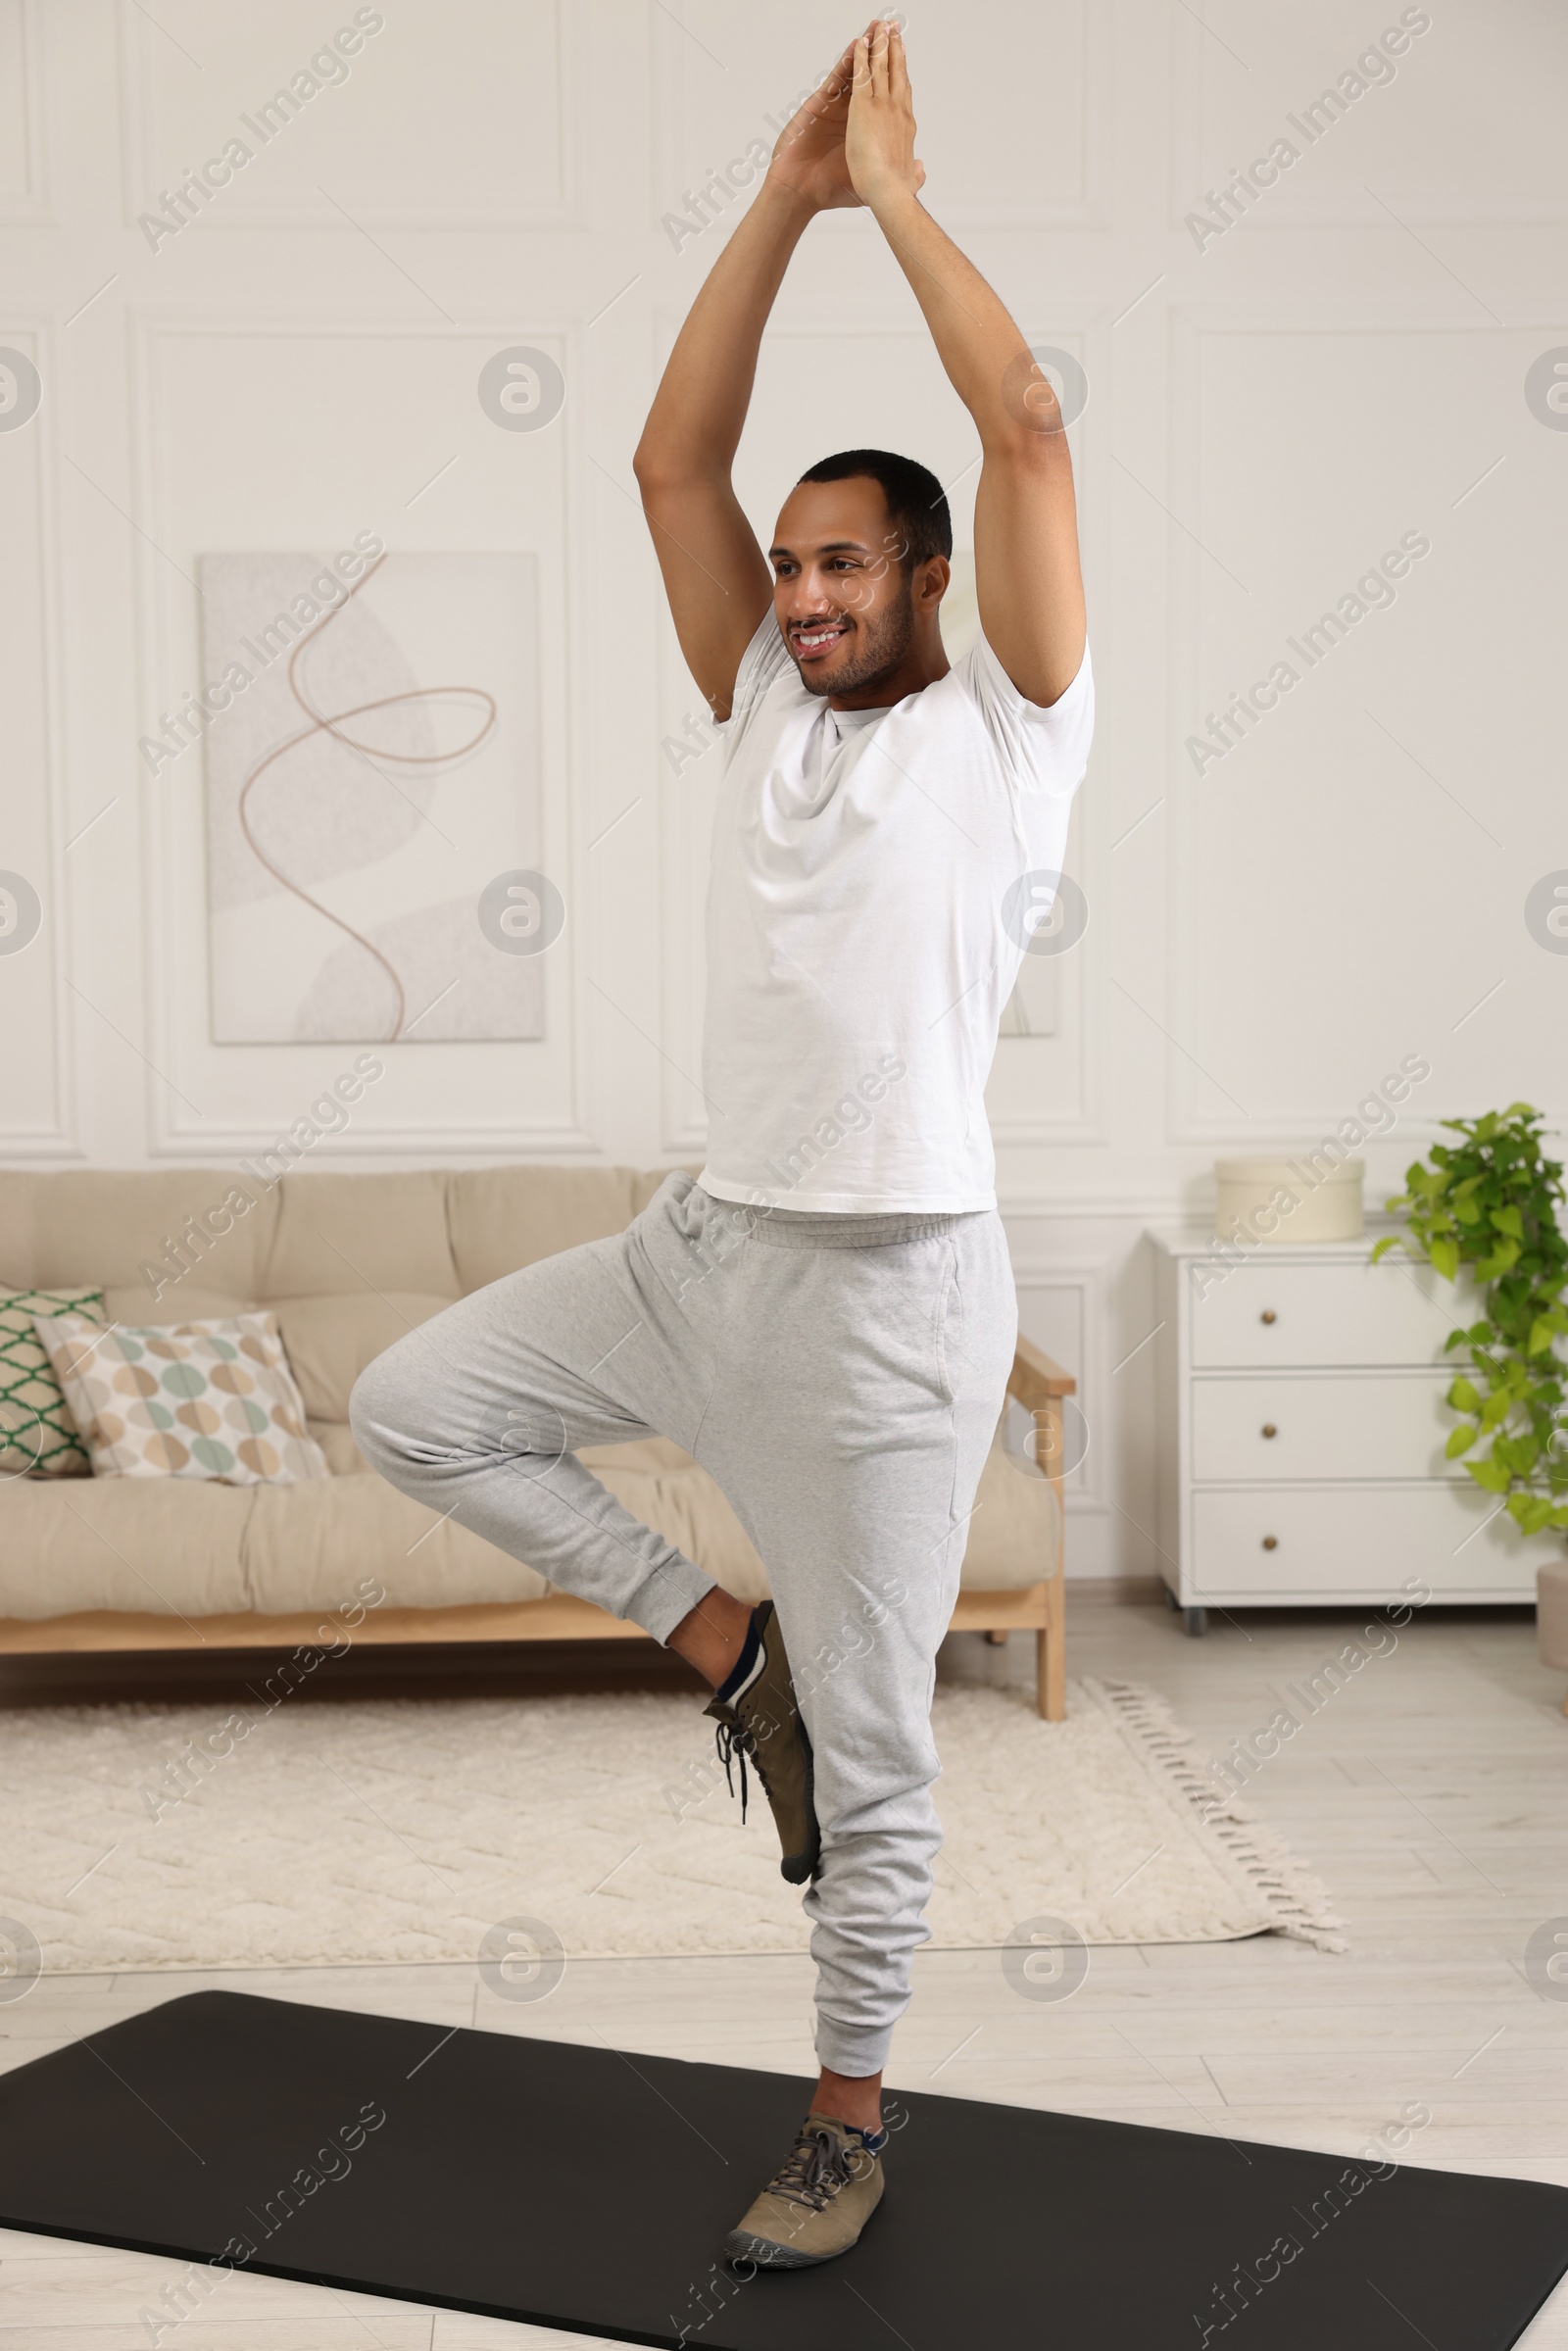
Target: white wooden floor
1432, 1793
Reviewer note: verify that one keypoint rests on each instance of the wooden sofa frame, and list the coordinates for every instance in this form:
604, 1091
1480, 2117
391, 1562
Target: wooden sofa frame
1036, 1382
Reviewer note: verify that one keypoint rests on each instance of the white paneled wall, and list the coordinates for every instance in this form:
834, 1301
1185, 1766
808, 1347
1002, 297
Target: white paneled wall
1291, 376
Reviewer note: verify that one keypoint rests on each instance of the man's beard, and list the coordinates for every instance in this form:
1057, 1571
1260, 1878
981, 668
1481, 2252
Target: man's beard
883, 644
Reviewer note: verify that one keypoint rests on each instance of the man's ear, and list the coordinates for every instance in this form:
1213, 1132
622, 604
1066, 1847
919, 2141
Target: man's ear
931, 581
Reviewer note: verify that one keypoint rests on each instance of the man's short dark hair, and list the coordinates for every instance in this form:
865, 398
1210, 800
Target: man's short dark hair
918, 506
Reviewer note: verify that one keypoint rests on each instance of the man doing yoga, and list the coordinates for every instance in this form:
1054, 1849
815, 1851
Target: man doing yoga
825, 1318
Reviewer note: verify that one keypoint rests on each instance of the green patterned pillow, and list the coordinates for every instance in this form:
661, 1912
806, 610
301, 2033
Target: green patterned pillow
39, 1437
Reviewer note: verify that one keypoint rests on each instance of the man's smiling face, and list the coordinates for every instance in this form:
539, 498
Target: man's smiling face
841, 592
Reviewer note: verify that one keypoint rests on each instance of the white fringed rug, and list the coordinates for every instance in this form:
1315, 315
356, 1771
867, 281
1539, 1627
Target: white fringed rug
404, 1829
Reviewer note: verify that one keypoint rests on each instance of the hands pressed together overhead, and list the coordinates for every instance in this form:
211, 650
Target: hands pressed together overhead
852, 141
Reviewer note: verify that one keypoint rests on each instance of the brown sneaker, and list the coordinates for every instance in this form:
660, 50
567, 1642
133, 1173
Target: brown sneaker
818, 2204
763, 1723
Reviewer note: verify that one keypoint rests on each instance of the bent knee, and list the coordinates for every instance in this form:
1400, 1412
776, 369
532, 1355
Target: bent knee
381, 1414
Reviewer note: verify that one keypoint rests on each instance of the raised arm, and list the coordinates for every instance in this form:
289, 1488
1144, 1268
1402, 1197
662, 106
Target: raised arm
716, 577
1027, 578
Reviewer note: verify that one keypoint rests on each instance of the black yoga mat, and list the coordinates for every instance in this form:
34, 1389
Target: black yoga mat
589, 2189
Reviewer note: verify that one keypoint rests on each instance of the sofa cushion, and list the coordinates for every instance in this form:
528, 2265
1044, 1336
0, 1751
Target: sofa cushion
201, 1549
163, 1545
337, 1440
504, 1217
130, 1231
330, 1341
355, 1235
310, 1547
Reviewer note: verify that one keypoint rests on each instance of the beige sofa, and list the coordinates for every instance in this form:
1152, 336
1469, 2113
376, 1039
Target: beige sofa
347, 1263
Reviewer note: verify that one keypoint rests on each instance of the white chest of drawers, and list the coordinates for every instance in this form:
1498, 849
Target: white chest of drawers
1302, 1427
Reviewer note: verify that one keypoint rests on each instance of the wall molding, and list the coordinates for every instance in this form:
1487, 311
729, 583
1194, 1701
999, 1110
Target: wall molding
1091, 207
1317, 212
563, 212
61, 1137
1188, 328
171, 1135
34, 209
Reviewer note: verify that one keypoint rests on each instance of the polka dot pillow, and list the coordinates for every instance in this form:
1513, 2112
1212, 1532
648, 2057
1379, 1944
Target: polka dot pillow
192, 1399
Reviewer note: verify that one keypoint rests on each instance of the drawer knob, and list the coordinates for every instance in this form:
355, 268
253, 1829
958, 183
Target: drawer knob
1268, 1316
1269, 1430
1271, 1543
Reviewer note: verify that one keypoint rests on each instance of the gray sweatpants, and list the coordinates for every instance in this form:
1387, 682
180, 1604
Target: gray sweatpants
841, 1378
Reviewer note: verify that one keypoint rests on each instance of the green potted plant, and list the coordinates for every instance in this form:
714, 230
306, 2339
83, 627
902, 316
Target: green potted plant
1489, 1203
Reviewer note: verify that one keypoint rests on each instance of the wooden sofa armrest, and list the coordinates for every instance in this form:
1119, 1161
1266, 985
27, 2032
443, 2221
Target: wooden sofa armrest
1036, 1378
1039, 1383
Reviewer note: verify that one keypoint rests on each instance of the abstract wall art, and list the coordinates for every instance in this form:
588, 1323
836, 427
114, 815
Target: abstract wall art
375, 765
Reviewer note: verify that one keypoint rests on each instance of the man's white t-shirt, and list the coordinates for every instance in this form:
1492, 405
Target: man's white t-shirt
862, 939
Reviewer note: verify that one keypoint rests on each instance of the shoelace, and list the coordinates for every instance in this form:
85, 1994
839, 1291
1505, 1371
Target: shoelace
816, 2167
738, 1739
733, 1740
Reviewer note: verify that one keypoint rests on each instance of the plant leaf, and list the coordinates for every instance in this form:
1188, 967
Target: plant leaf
1529, 1512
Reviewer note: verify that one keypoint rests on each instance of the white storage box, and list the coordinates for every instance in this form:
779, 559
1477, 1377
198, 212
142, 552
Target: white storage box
1305, 1198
